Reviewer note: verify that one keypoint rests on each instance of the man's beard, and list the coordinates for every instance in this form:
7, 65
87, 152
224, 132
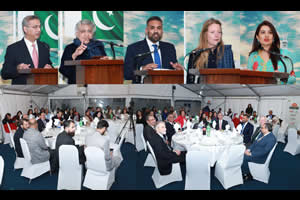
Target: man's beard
155, 39
71, 133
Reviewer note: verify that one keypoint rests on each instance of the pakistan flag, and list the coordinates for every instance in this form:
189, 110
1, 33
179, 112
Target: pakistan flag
49, 23
109, 24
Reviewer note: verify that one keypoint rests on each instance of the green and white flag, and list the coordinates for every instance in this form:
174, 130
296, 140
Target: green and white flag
109, 24
49, 23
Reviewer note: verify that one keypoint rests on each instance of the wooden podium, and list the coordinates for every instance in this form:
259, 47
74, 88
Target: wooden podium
162, 76
237, 76
96, 71
40, 76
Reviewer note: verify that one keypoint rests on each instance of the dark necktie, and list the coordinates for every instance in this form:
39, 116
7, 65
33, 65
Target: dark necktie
156, 56
165, 140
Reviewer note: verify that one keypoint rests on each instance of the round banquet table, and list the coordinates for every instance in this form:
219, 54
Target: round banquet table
218, 143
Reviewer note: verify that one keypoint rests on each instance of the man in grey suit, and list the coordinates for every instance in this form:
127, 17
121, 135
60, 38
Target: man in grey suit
100, 140
36, 143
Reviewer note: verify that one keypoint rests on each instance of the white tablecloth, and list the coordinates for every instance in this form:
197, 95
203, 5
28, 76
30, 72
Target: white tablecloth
217, 143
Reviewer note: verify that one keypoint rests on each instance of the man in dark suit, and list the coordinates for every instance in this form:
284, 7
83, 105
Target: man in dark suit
170, 126
149, 130
257, 131
26, 53
24, 125
259, 150
42, 121
247, 129
163, 56
65, 138
221, 123
270, 115
164, 153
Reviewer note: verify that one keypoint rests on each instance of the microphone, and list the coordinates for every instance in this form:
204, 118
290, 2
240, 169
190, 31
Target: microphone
145, 54
112, 43
197, 51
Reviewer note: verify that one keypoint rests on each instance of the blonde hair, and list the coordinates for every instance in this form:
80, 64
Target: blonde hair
202, 60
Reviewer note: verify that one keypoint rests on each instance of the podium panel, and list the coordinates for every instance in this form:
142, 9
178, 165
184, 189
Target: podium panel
40, 76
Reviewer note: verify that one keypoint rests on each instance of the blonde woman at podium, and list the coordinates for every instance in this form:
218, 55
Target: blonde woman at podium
266, 54
211, 51
83, 47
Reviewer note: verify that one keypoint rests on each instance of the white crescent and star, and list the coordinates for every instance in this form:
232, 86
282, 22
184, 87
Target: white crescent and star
48, 29
100, 24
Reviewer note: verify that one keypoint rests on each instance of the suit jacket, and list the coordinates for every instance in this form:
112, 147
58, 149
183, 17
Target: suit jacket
70, 71
168, 54
102, 142
18, 53
260, 149
226, 61
64, 139
148, 132
170, 131
41, 125
255, 134
247, 132
18, 134
37, 146
164, 156
224, 123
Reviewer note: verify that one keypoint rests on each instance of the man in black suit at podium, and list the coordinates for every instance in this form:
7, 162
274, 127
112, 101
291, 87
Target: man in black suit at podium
26, 53
163, 56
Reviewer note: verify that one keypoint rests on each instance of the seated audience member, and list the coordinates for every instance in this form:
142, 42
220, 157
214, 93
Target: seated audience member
59, 116
241, 115
181, 118
101, 140
139, 117
149, 130
221, 123
42, 121
8, 121
247, 129
270, 115
235, 120
170, 126
17, 117
66, 138
36, 112
164, 114
110, 114
164, 153
257, 131
38, 149
23, 126
259, 150
47, 113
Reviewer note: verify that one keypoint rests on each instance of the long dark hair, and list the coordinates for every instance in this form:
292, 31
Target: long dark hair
275, 47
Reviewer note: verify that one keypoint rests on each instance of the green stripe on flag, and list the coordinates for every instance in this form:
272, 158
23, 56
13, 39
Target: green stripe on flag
49, 23
109, 24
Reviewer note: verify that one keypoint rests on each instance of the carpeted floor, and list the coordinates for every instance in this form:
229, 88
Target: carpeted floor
132, 175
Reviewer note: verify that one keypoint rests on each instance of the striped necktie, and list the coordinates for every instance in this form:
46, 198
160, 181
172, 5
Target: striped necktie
35, 57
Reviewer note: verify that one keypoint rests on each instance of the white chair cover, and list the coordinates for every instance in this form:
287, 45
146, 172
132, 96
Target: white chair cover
282, 132
97, 178
139, 133
228, 167
293, 144
70, 171
30, 170
1, 169
261, 172
162, 180
197, 170
149, 162
6, 136
276, 130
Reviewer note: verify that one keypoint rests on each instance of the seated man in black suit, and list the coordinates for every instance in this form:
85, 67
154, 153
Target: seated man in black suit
65, 138
262, 121
170, 126
26, 53
59, 115
270, 115
42, 121
221, 123
163, 56
259, 150
164, 153
247, 129
23, 126
149, 130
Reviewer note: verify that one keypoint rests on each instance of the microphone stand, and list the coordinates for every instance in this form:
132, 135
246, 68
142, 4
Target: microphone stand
113, 50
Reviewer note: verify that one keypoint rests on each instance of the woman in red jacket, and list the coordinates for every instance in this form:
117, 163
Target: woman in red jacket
181, 118
235, 120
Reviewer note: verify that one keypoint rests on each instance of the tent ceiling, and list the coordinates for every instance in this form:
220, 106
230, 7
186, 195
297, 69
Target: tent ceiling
42, 89
221, 90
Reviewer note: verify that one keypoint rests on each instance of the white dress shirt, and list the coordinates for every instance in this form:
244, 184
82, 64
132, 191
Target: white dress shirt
30, 48
150, 43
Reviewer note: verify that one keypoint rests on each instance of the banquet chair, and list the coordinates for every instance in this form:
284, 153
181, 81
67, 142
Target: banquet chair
1, 169
139, 141
228, 167
117, 150
293, 144
97, 177
6, 136
162, 180
11, 135
230, 122
30, 170
197, 170
19, 162
149, 160
261, 172
281, 132
276, 130
70, 171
